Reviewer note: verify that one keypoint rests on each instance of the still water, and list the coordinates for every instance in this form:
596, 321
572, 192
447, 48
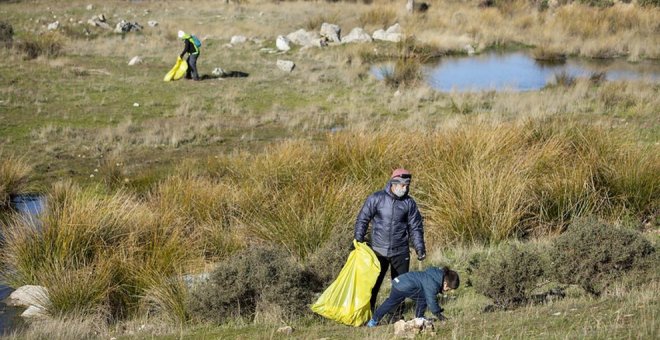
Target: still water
29, 206
517, 71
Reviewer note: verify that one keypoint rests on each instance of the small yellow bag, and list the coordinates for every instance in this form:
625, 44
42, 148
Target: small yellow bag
178, 71
346, 300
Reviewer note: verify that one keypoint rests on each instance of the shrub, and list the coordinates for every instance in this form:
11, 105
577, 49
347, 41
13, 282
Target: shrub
48, 45
6, 34
508, 276
649, 3
327, 262
592, 254
252, 279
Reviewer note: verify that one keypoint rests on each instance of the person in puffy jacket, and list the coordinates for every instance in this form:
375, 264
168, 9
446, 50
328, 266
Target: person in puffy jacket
395, 219
193, 53
421, 287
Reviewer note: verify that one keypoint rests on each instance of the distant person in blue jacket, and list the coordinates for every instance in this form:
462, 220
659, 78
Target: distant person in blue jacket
421, 287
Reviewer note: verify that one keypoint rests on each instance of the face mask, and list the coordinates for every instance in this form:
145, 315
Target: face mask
399, 191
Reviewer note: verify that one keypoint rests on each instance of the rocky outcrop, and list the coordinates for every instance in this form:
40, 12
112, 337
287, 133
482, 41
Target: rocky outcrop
304, 38
331, 32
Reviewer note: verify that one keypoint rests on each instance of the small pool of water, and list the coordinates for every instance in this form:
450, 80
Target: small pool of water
10, 317
517, 71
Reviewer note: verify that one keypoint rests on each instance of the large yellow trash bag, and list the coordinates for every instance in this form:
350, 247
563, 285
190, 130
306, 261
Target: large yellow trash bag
346, 300
178, 71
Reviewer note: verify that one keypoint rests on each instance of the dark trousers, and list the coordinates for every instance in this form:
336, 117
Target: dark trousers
192, 67
395, 300
398, 264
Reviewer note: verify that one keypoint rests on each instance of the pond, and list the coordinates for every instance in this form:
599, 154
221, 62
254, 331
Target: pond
518, 71
29, 206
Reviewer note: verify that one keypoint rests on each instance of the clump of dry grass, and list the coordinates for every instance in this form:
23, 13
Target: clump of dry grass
381, 17
14, 176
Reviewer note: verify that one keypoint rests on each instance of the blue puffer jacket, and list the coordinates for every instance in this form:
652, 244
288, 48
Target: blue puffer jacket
427, 283
393, 221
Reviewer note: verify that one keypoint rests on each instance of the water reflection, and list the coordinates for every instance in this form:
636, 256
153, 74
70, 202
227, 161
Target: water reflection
517, 71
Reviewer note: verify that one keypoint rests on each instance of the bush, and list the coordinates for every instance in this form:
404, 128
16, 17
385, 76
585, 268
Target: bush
254, 279
591, 254
508, 276
655, 3
6, 34
48, 45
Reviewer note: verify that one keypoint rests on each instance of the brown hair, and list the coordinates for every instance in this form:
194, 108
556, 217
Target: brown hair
451, 277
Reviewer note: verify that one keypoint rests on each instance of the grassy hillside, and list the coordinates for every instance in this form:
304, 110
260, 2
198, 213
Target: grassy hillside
149, 180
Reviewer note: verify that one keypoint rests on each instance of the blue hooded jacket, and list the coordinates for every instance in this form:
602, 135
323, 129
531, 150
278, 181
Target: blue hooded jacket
427, 284
393, 221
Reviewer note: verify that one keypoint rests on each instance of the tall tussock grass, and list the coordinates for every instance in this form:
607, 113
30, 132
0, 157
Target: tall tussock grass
119, 255
14, 176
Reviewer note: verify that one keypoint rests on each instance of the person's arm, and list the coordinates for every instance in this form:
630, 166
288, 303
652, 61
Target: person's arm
186, 46
364, 217
416, 226
432, 302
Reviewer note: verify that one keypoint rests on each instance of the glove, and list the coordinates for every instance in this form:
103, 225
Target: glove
421, 257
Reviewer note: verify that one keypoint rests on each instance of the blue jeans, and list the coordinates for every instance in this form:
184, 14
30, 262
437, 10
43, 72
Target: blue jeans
192, 67
396, 298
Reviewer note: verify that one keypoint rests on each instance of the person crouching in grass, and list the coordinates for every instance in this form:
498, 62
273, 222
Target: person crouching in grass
421, 287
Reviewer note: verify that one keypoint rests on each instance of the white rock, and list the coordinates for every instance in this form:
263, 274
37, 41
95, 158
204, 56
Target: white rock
218, 72
304, 38
237, 39
285, 65
469, 49
34, 312
385, 36
282, 43
53, 26
136, 104
152, 23
396, 28
357, 35
286, 330
28, 295
135, 60
90, 7
331, 32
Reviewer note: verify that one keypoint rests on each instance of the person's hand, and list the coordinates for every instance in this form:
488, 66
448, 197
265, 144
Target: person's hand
421, 257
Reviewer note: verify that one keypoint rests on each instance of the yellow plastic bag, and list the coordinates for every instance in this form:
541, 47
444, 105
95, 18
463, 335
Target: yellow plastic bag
178, 71
346, 300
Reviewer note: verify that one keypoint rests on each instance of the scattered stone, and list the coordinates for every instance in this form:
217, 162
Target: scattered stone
286, 330
152, 23
218, 72
331, 32
124, 26
385, 36
99, 21
285, 65
34, 312
237, 39
53, 26
396, 28
90, 7
304, 38
28, 295
357, 35
135, 60
469, 49
282, 43
136, 104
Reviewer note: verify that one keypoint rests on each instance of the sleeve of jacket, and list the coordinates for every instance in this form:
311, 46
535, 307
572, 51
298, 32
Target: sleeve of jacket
367, 212
185, 47
416, 228
430, 296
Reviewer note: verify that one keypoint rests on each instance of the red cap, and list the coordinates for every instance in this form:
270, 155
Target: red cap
401, 172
